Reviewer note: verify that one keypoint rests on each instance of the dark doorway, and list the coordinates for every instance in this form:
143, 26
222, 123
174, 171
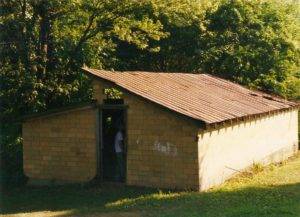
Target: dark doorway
113, 148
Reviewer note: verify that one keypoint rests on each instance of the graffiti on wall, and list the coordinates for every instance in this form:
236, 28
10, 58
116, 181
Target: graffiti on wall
166, 148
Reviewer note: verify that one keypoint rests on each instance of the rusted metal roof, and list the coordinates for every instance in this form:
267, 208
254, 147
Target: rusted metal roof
200, 96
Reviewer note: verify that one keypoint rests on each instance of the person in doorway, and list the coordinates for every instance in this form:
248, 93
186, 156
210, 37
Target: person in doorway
119, 149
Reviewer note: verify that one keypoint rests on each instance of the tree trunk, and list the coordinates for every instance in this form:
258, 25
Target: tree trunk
44, 40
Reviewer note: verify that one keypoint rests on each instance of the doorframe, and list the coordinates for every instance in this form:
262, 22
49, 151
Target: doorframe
102, 107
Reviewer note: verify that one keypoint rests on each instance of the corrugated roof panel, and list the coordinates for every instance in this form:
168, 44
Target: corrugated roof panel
200, 96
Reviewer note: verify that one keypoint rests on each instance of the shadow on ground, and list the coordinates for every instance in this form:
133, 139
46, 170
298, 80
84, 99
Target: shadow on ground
109, 200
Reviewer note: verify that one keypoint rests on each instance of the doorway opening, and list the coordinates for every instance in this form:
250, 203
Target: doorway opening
113, 145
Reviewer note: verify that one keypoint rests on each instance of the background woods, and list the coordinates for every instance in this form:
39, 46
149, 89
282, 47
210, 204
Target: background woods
44, 44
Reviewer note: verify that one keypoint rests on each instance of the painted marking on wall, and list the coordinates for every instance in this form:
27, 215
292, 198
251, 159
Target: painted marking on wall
165, 148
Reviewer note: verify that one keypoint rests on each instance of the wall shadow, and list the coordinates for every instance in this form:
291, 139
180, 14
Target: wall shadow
74, 197
282, 200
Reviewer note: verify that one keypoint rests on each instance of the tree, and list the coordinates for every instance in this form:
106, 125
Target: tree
44, 44
182, 20
254, 43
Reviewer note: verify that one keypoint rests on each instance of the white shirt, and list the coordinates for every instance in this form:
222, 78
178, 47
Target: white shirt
118, 140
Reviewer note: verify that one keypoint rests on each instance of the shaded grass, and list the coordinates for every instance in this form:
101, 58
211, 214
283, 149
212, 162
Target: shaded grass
271, 191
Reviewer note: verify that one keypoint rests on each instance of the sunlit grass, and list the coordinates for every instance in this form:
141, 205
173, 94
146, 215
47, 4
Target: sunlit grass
44, 214
160, 196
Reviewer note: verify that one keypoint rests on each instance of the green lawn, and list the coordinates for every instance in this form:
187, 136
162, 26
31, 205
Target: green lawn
272, 191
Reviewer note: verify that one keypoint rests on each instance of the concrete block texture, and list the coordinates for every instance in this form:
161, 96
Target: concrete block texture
62, 147
161, 149
224, 151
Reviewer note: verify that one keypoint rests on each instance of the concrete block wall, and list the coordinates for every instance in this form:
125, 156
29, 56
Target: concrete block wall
61, 147
164, 149
224, 151
162, 145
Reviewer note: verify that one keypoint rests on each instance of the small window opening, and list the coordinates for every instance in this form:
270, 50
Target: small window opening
113, 96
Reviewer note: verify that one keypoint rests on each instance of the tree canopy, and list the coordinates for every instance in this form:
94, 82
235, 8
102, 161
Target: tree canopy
44, 44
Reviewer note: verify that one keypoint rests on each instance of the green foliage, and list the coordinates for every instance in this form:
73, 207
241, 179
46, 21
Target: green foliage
113, 93
254, 43
181, 19
45, 44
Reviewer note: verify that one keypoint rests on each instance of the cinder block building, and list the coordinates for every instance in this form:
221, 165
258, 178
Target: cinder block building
184, 131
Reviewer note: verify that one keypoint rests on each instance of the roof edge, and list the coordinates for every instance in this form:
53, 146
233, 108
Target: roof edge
56, 111
236, 120
89, 72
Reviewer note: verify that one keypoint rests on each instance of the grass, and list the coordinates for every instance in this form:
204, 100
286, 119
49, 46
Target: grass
273, 191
